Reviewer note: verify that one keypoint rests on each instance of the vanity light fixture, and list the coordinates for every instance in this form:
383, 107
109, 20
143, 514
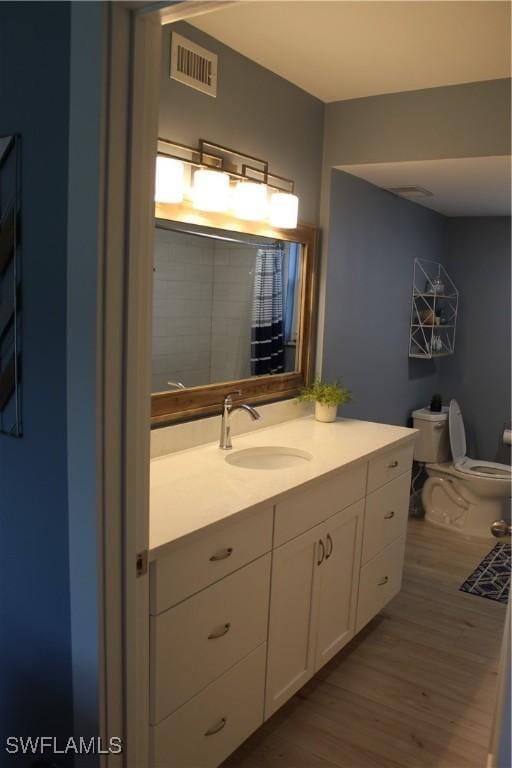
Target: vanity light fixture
284, 210
250, 200
211, 190
169, 180
228, 178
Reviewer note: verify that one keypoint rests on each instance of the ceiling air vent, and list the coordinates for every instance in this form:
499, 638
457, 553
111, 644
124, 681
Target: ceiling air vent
412, 192
193, 65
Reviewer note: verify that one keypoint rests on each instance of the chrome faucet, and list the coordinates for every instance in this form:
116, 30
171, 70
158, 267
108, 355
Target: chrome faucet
176, 385
229, 407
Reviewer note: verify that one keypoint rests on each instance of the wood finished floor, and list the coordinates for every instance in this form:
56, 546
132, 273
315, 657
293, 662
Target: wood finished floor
415, 689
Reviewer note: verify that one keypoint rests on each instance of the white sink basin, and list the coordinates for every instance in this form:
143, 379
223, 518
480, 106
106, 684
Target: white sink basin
268, 457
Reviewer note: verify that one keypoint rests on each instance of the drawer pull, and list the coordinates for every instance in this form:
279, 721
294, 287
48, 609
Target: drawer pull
329, 546
383, 581
220, 632
321, 547
389, 515
216, 728
222, 555
393, 464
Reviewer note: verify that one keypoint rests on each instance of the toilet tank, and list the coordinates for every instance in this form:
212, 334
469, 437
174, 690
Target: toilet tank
432, 443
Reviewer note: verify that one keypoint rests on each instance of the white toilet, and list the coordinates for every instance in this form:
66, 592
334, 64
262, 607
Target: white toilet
465, 494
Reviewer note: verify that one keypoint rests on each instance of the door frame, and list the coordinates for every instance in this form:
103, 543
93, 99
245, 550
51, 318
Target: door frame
118, 399
499, 748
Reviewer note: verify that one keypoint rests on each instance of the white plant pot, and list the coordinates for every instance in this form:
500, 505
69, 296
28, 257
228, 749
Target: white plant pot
325, 413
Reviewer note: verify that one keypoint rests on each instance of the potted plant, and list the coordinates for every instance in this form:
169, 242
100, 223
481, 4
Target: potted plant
327, 397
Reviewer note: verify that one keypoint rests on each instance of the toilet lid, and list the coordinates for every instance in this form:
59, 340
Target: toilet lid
457, 432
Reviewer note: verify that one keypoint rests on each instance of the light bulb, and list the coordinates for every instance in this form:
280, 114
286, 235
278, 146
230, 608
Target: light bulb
284, 210
170, 180
210, 191
250, 200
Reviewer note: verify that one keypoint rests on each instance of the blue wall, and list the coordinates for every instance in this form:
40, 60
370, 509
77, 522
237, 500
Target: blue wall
373, 239
35, 667
478, 375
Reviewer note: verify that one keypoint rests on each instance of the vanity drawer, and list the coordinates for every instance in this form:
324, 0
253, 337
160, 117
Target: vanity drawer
198, 640
380, 580
203, 732
209, 557
389, 465
305, 508
386, 515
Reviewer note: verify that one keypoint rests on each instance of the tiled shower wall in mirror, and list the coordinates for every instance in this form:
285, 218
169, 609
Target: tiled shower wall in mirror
201, 310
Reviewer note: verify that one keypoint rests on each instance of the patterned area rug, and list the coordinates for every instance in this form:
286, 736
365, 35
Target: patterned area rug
492, 577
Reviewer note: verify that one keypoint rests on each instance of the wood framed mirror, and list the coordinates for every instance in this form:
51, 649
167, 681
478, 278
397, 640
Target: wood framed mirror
233, 309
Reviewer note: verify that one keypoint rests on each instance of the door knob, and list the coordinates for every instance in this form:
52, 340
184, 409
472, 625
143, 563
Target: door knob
501, 528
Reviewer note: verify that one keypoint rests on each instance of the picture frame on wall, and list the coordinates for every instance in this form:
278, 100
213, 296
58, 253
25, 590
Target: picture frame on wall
10, 287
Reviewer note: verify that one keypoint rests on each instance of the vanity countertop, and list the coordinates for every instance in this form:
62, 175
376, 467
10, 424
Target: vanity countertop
196, 488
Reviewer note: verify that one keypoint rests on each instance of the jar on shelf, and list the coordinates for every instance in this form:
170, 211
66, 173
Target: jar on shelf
437, 286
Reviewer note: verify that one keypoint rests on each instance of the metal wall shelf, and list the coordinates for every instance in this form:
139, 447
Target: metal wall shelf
434, 308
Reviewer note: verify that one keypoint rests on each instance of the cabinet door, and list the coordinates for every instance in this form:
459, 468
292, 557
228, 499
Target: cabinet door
293, 615
339, 580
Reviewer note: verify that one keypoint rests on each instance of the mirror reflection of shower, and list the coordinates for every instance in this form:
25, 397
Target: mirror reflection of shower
226, 306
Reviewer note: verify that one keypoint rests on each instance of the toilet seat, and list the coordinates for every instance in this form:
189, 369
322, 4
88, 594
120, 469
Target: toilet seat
487, 469
457, 432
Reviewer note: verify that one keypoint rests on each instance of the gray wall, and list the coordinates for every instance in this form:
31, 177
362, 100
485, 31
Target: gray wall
373, 239
478, 375
468, 120
255, 111
35, 667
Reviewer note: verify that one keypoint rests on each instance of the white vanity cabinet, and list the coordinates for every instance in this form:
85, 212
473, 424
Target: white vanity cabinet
245, 612
339, 577
196, 641
293, 618
205, 730
387, 510
312, 602
208, 649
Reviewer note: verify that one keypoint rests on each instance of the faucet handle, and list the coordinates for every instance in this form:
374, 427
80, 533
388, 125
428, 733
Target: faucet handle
237, 392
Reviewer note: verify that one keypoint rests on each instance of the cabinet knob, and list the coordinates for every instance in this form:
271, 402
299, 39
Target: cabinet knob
216, 728
393, 464
330, 546
389, 515
220, 632
383, 581
222, 555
